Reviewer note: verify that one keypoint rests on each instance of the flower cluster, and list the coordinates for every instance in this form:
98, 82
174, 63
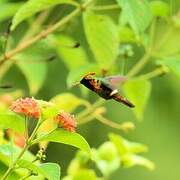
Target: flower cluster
27, 106
66, 121
30, 108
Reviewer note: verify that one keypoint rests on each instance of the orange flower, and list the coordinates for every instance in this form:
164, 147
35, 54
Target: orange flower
27, 106
66, 121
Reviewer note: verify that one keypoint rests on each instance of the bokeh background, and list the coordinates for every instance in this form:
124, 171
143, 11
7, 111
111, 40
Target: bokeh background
159, 129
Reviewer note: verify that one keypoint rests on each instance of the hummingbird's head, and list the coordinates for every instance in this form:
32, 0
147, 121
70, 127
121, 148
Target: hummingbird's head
88, 77
87, 80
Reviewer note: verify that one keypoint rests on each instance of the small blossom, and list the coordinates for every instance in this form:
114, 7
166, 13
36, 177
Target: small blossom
66, 121
27, 106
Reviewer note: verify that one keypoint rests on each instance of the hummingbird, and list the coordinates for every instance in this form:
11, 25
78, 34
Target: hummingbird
105, 87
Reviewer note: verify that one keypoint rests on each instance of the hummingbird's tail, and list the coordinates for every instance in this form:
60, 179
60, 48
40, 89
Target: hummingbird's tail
123, 100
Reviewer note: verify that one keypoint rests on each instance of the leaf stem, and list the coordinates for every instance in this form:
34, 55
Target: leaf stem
109, 123
140, 64
87, 111
155, 73
148, 53
105, 7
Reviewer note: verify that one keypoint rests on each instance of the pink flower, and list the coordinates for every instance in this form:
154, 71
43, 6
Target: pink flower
66, 121
27, 106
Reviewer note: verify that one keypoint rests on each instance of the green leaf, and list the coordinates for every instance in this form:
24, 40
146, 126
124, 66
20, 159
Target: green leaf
134, 147
72, 57
106, 164
52, 170
34, 58
12, 121
48, 109
173, 63
6, 151
3, 169
138, 91
160, 8
167, 40
102, 36
124, 146
68, 102
126, 34
76, 75
132, 160
33, 6
66, 137
8, 10
119, 142
47, 170
81, 159
136, 13
36, 79
107, 148
85, 174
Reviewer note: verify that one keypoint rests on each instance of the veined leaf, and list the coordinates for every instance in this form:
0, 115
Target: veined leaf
131, 160
32, 62
71, 56
33, 6
138, 91
136, 13
85, 174
167, 40
160, 8
52, 170
47, 170
12, 121
68, 102
66, 137
8, 9
124, 146
34, 73
6, 151
102, 36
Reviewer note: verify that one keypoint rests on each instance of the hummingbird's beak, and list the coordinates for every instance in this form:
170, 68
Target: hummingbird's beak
76, 84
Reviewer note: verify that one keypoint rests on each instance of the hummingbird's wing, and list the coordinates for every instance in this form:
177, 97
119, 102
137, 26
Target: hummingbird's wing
106, 83
116, 80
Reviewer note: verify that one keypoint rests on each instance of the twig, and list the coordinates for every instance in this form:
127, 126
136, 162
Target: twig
106, 7
43, 34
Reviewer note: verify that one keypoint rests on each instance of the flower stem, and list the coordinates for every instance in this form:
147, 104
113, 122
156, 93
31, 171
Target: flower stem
26, 147
8, 172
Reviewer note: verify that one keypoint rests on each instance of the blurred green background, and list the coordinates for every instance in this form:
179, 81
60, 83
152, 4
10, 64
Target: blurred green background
159, 130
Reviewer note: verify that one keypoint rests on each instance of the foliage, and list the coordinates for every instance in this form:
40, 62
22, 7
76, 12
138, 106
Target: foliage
136, 39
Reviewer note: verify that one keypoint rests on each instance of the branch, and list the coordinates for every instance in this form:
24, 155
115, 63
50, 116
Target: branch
43, 34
